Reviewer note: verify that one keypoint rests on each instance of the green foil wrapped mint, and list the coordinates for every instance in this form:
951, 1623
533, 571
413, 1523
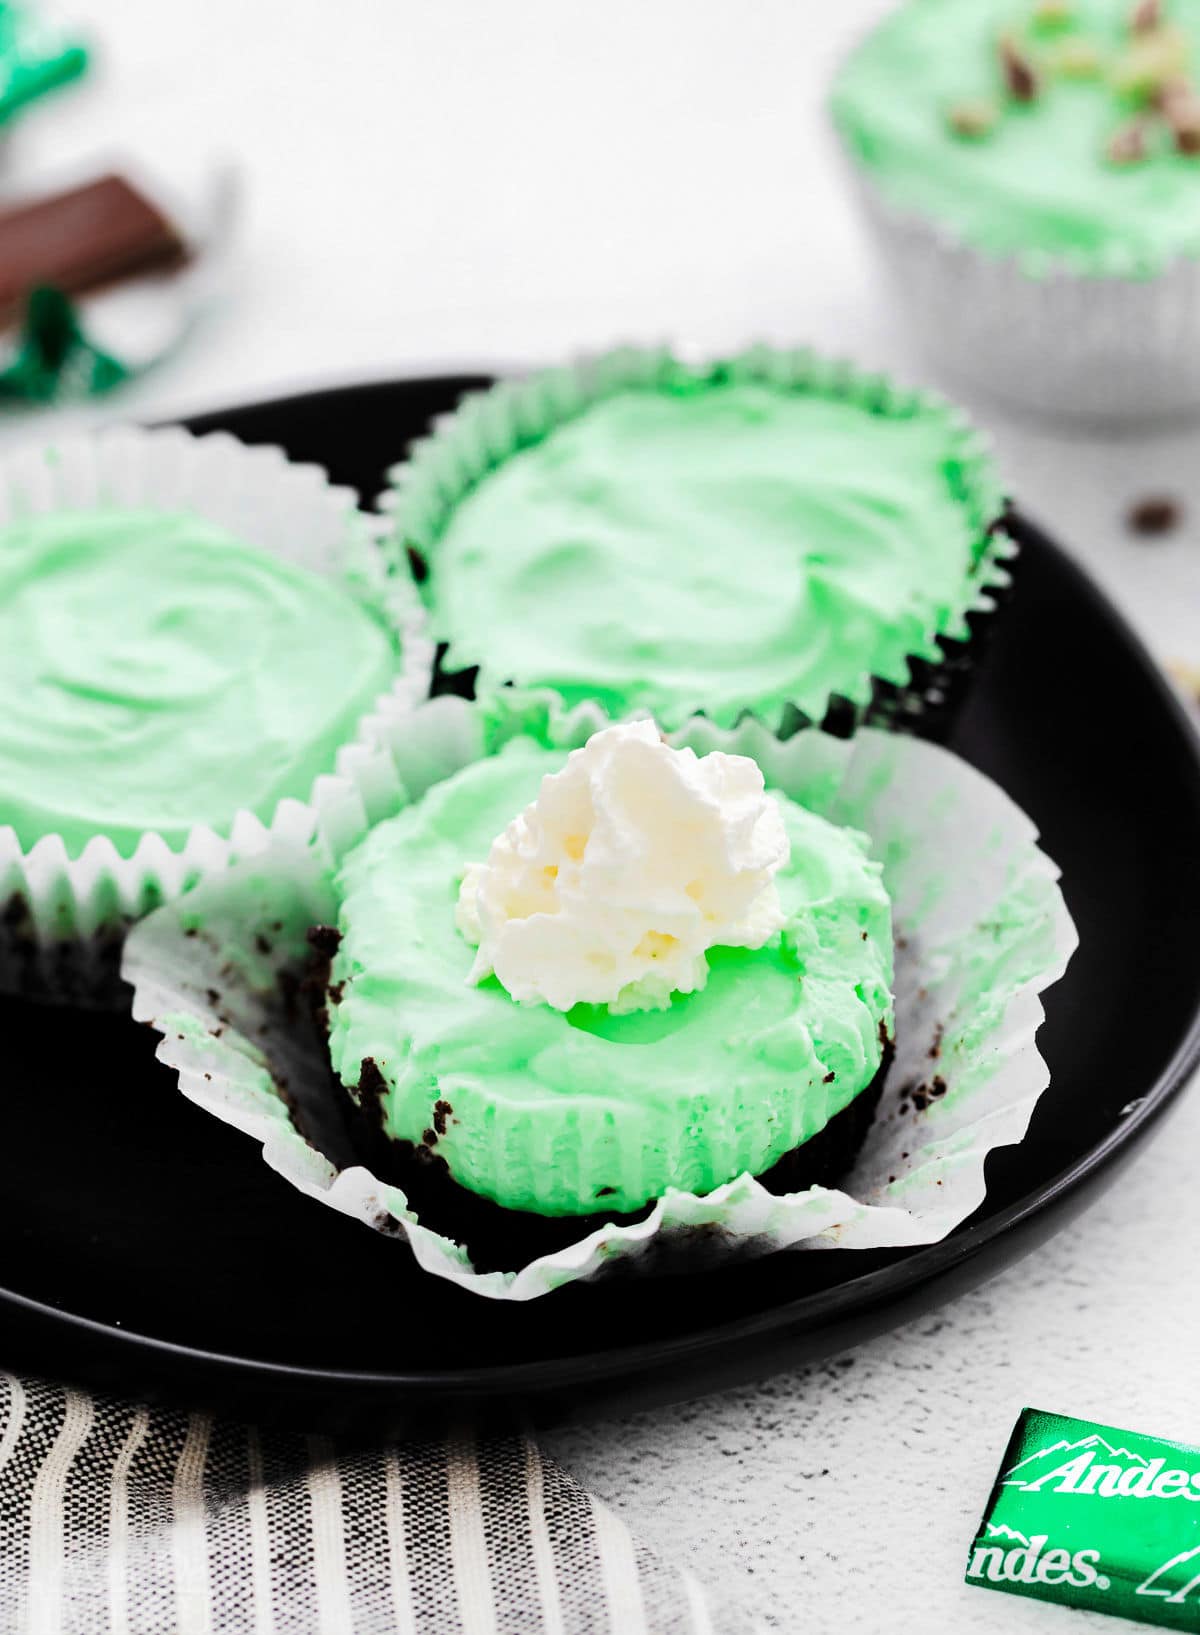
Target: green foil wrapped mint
34, 58
1097, 1518
51, 356
62, 347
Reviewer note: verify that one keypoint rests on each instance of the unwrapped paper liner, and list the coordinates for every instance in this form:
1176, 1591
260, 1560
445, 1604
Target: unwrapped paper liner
981, 928
62, 918
1094, 340
486, 428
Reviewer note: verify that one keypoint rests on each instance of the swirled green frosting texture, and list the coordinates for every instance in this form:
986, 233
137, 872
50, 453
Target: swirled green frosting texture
1039, 184
157, 673
567, 1113
718, 547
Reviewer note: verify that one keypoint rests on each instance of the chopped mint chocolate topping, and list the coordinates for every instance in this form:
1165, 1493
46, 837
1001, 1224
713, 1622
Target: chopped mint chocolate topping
1182, 113
1092, 160
1128, 146
1020, 76
1051, 16
1077, 57
1154, 58
973, 119
1150, 74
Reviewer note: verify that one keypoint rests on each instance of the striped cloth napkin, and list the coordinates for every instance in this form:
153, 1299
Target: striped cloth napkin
125, 1520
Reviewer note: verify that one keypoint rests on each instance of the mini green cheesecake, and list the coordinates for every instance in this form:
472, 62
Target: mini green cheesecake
158, 674
762, 536
592, 1107
1057, 131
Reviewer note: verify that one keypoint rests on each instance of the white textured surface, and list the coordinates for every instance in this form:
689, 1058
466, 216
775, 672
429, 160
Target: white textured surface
843, 1496
459, 181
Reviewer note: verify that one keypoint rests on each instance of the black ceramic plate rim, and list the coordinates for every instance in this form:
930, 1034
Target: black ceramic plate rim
891, 1282
871, 1289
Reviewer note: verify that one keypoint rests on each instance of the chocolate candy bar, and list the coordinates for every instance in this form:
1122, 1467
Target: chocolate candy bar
81, 240
1097, 1518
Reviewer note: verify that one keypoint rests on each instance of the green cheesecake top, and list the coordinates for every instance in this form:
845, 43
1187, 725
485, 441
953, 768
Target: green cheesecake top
156, 673
567, 1112
716, 545
1065, 130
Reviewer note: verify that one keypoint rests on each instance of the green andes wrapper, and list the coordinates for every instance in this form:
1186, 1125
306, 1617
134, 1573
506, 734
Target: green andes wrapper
34, 59
52, 356
1096, 1518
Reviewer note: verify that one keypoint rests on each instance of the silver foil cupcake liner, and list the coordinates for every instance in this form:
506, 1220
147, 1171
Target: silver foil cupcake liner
1088, 343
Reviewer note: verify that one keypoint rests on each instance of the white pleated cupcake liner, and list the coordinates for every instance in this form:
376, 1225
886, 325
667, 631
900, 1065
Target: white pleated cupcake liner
62, 918
981, 932
488, 427
1097, 343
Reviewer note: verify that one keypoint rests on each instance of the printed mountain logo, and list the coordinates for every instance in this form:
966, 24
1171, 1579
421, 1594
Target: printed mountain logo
1094, 1466
1029, 1562
1176, 1580
1066, 1521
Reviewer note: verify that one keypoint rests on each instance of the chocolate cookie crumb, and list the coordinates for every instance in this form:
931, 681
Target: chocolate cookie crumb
441, 1112
923, 1094
372, 1087
829, 1078
326, 939
1155, 514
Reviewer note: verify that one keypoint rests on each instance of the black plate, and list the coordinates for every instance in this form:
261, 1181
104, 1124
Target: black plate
144, 1245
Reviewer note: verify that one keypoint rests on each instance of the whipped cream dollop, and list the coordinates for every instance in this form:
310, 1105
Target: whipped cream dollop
632, 862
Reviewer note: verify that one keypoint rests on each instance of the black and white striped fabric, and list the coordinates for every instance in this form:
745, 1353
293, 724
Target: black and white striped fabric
125, 1520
